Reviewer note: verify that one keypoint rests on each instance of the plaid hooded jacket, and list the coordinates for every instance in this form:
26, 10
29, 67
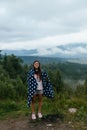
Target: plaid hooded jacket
32, 85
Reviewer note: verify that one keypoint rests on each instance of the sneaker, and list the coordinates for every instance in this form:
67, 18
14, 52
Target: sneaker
33, 116
39, 115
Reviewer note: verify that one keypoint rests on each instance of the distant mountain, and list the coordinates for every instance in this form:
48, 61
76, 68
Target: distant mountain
47, 60
78, 60
20, 52
43, 60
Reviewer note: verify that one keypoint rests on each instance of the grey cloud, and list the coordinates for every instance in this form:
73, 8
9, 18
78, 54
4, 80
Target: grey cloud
32, 19
69, 50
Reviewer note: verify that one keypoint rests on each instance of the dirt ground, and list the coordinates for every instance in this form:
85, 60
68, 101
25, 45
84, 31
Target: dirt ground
25, 123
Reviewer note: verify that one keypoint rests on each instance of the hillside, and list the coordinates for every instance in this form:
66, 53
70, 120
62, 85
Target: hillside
69, 69
13, 94
44, 60
47, 60
78, 60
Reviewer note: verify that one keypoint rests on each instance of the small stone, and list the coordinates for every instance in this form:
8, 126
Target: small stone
69, 122
49, 125
72, 110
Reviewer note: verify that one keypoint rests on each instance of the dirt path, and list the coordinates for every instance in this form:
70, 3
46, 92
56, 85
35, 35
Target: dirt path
25, 123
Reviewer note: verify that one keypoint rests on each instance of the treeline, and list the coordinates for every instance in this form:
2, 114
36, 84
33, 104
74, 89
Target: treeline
12, 77
69, 70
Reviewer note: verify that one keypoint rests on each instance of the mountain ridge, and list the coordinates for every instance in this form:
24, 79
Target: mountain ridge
47, 60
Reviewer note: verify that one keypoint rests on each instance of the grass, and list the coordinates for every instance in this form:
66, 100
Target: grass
59, 105
13, 109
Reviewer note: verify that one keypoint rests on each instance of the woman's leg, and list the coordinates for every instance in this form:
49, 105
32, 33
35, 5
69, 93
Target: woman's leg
39, 102
33, 104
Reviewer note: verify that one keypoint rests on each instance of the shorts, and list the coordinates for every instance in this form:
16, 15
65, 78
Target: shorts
39, 92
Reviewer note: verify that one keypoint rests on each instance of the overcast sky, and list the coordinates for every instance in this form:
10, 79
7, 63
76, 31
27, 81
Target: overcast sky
42, 24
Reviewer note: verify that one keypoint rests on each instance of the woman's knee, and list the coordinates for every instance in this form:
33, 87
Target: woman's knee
34, 99
40, 98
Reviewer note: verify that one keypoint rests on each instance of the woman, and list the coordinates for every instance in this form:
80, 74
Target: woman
38, 85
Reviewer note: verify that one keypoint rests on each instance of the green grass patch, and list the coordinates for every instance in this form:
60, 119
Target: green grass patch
9, 108
59, 105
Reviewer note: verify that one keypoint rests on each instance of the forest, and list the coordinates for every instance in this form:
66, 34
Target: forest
13, 88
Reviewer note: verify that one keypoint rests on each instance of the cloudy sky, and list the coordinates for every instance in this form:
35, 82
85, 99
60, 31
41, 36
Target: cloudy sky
43, 25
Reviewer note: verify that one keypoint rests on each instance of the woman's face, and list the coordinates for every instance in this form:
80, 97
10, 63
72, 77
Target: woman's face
36, 64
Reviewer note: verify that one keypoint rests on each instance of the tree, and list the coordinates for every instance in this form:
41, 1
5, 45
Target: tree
0, 52
0, 56
12, 65
58, 81
20, 88
86, 85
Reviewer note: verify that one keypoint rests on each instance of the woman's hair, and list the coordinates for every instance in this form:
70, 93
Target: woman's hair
38, 70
